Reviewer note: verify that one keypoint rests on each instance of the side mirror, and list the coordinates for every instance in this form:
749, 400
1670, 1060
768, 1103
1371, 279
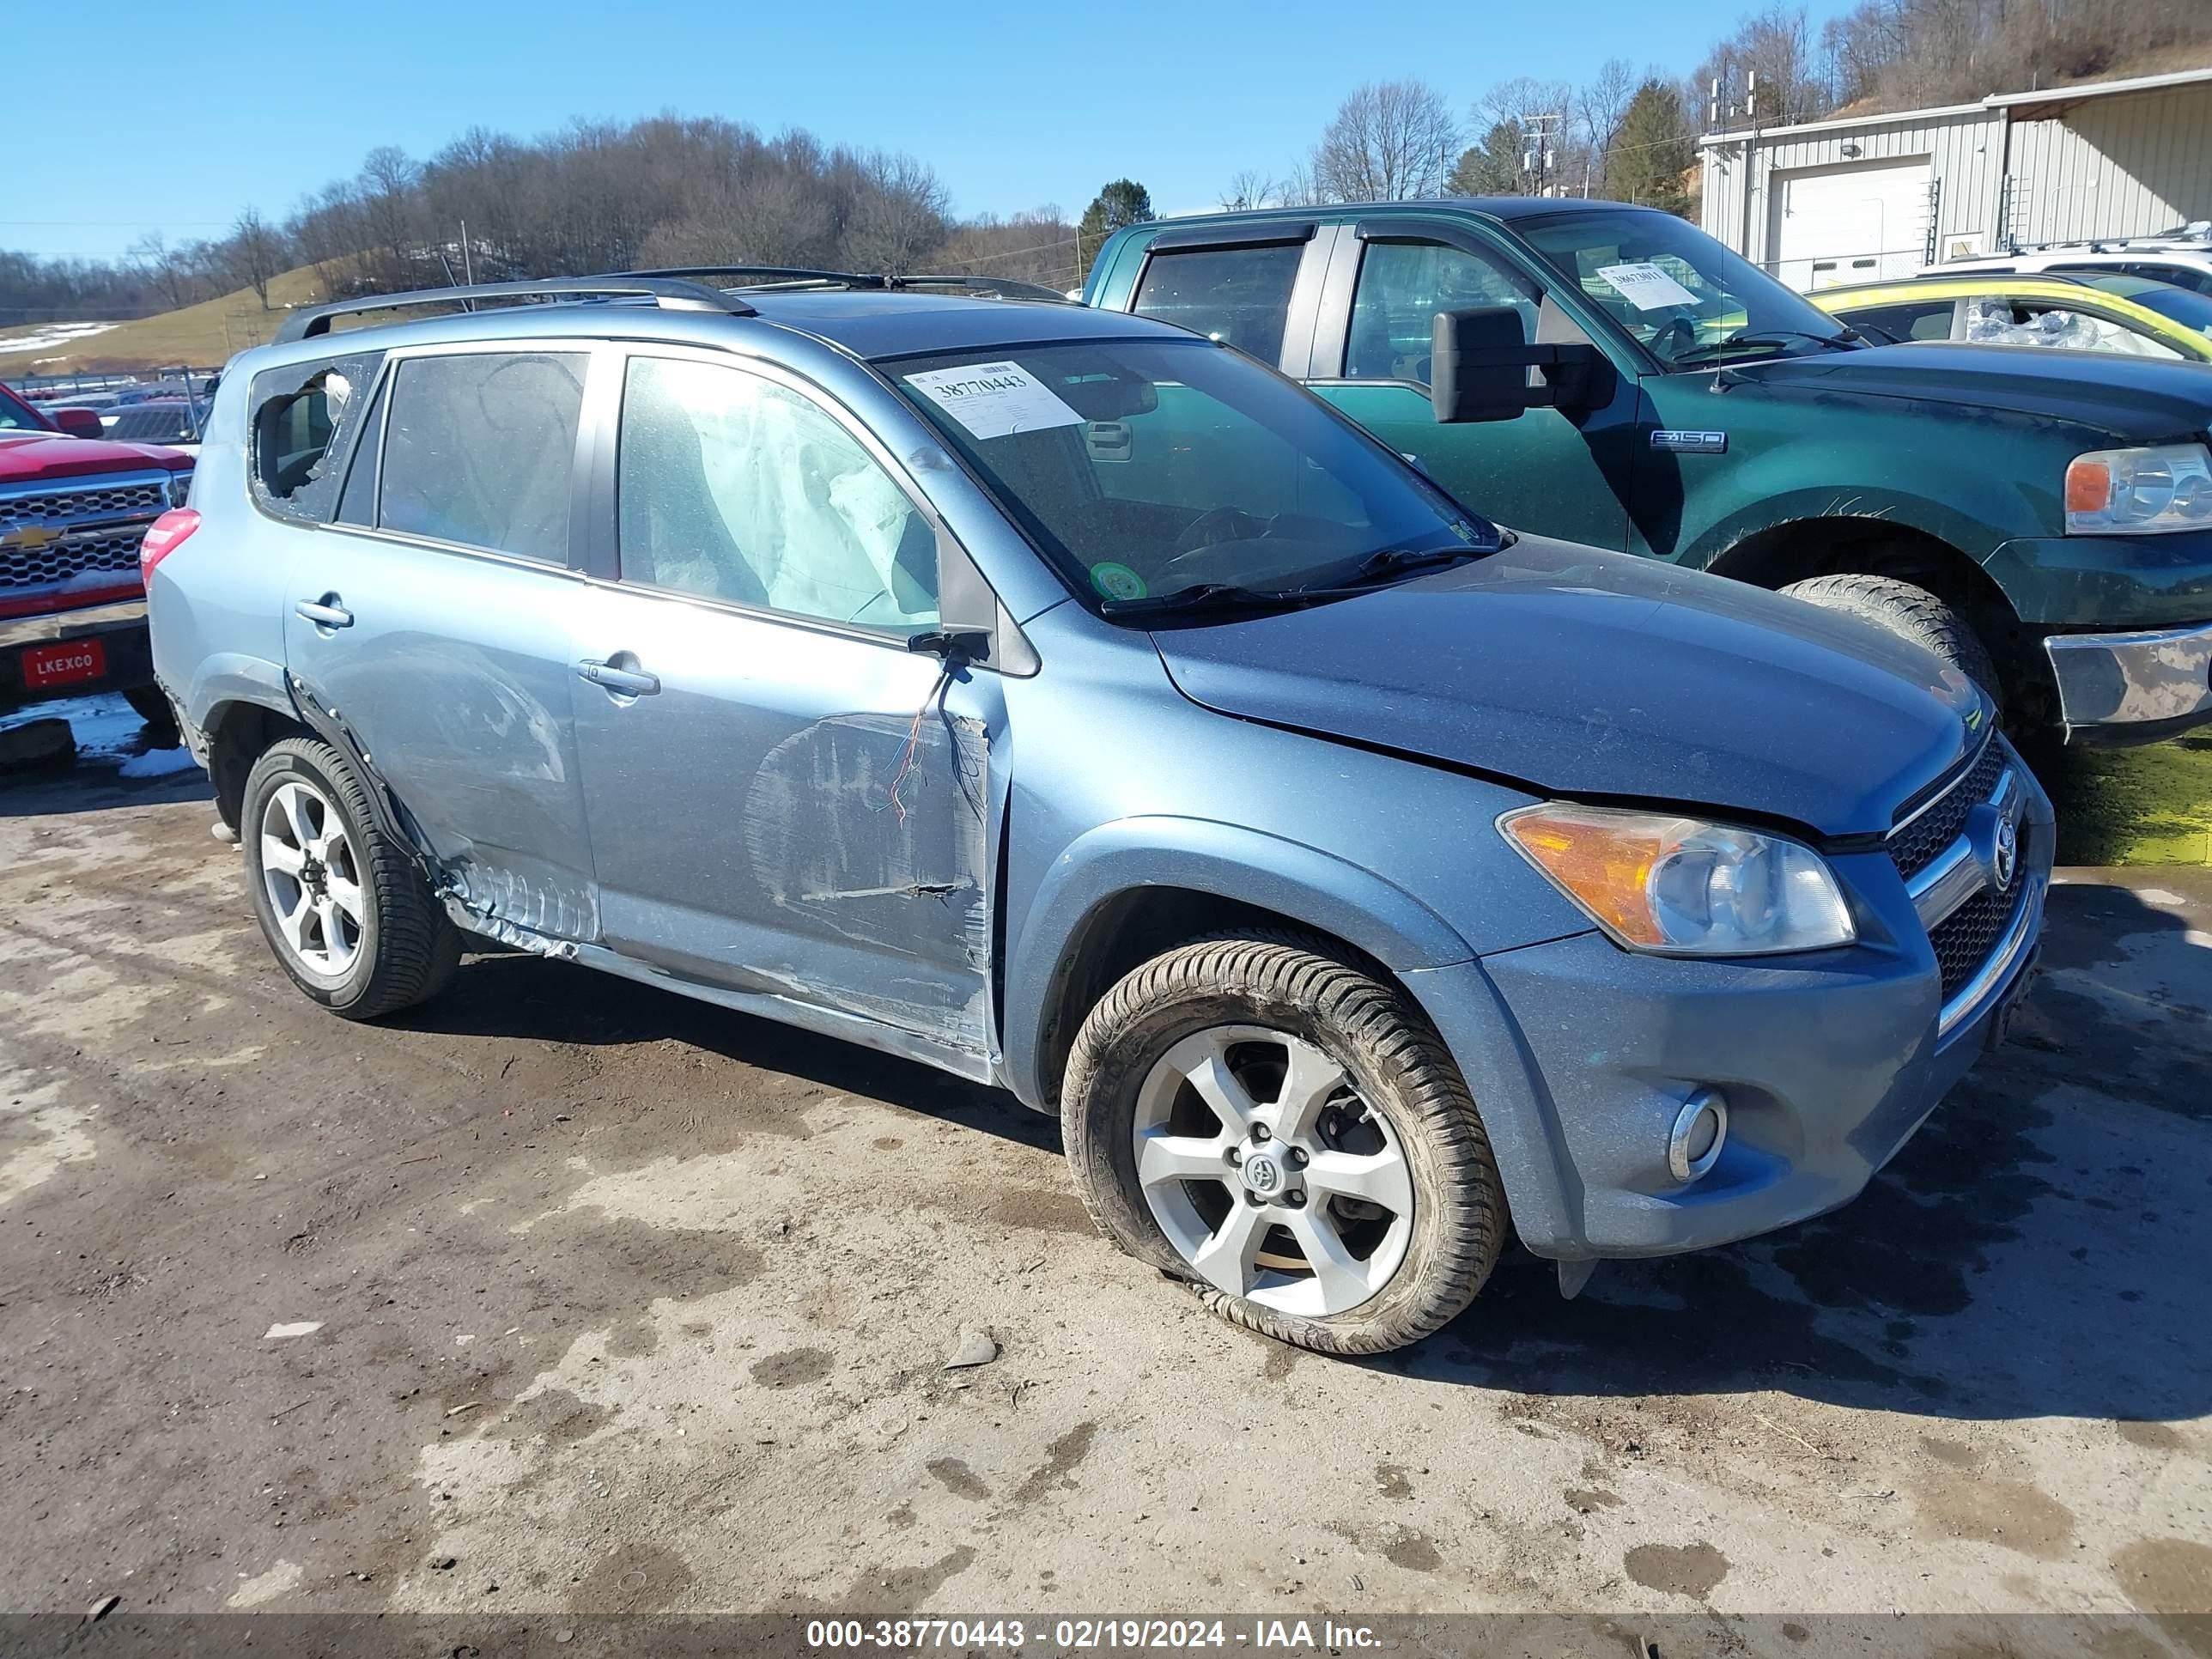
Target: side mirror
78, 422
1478, 364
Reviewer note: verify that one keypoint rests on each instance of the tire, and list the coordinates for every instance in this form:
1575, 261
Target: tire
1244, 999
306, 810
152, 706
1913, 612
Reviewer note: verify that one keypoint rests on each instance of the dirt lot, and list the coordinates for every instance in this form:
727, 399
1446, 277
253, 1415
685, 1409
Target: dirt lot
617, 1302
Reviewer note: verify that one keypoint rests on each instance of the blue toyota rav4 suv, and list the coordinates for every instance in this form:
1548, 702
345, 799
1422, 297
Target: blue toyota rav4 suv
1059, 698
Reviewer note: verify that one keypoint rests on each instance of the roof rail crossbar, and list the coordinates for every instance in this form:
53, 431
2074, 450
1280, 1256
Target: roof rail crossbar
801, 277
667, 294
1007, 285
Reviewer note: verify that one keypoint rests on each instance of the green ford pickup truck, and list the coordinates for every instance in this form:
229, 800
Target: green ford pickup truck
2040, 519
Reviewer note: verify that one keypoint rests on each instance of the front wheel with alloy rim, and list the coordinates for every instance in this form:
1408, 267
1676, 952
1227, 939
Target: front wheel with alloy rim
343, 906
1288, 1134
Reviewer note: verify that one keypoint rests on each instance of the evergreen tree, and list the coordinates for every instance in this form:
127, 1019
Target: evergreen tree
1124, 202
1492, 167
1652, 151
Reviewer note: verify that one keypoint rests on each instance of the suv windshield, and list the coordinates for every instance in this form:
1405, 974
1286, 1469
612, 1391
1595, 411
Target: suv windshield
2190, 309
1144, 468
1679, 293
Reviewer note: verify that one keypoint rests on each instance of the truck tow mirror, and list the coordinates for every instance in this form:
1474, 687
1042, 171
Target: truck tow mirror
78, 423
1478, 364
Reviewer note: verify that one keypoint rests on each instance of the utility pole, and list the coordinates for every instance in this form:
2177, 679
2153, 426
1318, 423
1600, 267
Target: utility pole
468, 266
1538, 157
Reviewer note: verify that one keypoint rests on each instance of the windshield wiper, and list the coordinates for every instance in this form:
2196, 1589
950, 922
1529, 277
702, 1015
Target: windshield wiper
1393, 560
1204, 596
1765, 336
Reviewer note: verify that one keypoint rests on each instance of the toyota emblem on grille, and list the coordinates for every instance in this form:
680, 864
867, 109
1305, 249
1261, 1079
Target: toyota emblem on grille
2004, 857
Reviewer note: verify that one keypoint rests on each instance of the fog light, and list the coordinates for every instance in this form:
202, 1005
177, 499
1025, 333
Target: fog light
1700, 1130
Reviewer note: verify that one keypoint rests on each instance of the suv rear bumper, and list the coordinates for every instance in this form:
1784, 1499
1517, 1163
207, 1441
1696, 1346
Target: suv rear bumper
2132, 687
125, 658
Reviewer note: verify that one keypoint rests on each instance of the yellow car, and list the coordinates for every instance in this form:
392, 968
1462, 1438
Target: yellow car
2002, 308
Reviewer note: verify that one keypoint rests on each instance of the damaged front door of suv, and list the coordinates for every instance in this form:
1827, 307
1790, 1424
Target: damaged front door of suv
785, 801
432, 614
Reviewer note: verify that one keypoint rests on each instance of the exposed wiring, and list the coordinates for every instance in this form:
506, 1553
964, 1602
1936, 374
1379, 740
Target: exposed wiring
938, 689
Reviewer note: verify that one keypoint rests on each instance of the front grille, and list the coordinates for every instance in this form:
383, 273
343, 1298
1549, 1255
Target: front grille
1917, 845
72, 556
1964, 939
51, 507
55, 533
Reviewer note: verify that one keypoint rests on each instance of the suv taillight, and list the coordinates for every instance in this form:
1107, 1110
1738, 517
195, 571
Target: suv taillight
163, 536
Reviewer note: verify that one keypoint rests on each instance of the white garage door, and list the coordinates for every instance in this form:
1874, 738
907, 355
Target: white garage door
1850, 224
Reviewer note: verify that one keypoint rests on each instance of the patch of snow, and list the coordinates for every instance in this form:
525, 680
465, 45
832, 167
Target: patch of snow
157, 763
51, 334
105, 726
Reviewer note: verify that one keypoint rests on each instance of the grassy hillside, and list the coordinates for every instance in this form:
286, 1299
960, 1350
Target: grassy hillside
205, 333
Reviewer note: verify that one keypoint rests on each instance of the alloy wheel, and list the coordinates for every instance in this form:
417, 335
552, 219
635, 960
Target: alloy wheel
313, 878
1269, 1174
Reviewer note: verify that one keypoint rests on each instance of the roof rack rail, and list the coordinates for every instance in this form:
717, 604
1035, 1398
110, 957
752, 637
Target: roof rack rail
765, 276
668, 295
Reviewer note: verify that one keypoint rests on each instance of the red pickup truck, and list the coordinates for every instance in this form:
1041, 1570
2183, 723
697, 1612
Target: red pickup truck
73, 509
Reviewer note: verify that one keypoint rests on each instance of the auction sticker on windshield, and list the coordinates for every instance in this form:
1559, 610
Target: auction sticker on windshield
1646, 287
993, 400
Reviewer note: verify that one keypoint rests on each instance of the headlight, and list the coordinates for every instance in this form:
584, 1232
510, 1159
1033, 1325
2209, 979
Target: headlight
181, 487
2139, 492
1680, 886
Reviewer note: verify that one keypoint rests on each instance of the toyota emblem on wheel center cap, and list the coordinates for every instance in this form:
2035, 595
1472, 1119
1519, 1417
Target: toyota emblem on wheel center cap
1261, 1173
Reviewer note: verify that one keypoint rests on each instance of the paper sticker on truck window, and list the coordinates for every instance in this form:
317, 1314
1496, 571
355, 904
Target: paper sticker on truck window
1646, 287
992, 400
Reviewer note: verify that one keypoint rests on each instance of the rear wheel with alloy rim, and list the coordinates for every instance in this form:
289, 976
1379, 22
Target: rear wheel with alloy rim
1288, 1134
343, 906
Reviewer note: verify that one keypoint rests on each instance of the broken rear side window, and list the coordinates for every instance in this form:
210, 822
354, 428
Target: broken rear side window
304, 419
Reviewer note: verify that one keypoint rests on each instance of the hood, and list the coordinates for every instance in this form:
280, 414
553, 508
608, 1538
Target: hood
2140, 399
26, 456
1598, 676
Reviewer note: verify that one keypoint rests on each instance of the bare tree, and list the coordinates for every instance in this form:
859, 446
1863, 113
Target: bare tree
1389, 140
1599, 106
1248, 189
256, 251
1298, 188
898, 215
164, 268
386, 192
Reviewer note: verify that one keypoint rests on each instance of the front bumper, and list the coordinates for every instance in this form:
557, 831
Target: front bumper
1582, 1057
119, 628
2133, 687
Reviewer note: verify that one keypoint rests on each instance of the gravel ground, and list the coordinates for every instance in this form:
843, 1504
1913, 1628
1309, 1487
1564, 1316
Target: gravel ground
607, 1301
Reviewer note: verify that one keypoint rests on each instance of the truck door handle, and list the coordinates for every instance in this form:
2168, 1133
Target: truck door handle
629, 682
328, 613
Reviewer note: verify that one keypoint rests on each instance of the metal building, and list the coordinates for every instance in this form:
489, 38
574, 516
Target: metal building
1860, 198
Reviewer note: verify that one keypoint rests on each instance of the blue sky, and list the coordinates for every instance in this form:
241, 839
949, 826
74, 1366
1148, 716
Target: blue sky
221, 105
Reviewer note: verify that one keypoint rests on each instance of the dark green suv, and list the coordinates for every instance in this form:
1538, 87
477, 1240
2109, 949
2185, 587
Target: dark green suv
2042, 520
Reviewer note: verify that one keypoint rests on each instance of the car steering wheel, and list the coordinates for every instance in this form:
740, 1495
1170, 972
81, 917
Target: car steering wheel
1220, 524
1664, 351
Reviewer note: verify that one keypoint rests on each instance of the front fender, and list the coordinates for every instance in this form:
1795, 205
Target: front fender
1251, 867
1830, 504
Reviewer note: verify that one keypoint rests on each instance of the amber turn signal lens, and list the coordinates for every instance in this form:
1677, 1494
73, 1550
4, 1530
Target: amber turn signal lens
1604, 860
2089, 485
